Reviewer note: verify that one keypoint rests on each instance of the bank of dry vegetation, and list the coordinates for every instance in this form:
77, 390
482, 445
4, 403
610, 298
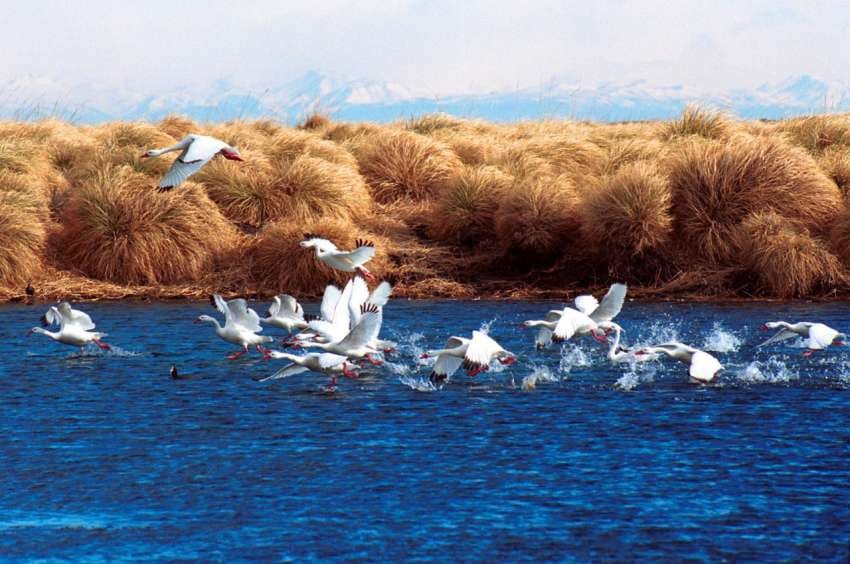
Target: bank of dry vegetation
704, 205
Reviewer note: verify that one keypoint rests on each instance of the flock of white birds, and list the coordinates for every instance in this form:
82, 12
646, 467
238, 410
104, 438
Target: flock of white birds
346, 334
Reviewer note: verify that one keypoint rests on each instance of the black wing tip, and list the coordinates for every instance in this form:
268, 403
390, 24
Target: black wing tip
308, 236
368, 308
436, 378
308, 317
212, 299
164, 189
363, 243
44, 322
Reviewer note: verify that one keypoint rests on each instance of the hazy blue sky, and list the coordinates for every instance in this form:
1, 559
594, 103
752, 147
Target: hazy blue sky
444, 47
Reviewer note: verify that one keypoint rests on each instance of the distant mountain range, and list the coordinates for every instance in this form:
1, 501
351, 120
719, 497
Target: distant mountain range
362, 100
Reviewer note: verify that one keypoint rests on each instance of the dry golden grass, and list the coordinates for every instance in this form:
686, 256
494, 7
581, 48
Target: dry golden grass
300, 190
701, 122
537, 218
783, 260
464, 211
818, 133
22, 238
668, 206
835, 163
289, 144
400, 164
177, 127
628, 214
717, 184
117, 228
315, 121
279, 263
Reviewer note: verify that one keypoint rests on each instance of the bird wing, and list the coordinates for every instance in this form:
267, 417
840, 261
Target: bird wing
178, 173
286, 372
359, 296
782, 335
222, 307
329, 360
366, 330
342, 315
570, 322
481, 349
704, 366
821, 336
611, 304
291, 306
274, 308
544, 334
71, 316
244, 316
446, 365
359, 256
381, 295
329, 301
455, 342
586, 304
328, 331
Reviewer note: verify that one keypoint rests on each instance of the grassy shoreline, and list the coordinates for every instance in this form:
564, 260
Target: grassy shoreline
703, 207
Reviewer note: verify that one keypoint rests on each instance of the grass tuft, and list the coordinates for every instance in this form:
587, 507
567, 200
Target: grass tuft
783, 260
718, 184
117, 228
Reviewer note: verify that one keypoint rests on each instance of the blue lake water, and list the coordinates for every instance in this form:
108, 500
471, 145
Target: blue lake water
104, 457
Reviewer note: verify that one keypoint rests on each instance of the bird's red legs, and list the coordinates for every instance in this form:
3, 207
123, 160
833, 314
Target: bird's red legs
373, 360
237, 354
102, 345
331, 387
348, 373
365, 273
267, 353
600, 338
808, 352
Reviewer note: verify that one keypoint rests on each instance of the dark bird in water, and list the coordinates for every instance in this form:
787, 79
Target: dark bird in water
30, 290
176, 375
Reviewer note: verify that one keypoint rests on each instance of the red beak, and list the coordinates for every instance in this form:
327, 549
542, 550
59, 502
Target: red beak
424, 355
764, 327
197, 322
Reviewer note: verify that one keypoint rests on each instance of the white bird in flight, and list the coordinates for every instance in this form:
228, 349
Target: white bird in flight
703, 366
359, 342
323, 363
473, 354
590, 317
285, 313
818, 336
75, 327
345, 261
196, 151
241, 325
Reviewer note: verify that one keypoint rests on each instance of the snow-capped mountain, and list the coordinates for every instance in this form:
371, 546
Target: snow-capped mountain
363, 100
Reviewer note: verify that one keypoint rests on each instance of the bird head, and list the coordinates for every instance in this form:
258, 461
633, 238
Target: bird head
203, 319
150, 153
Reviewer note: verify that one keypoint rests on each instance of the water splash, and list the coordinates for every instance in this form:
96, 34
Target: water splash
661, 332
487, 325
418, 384
92, 351
770, 371
721, 340
573, 356
539, 374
